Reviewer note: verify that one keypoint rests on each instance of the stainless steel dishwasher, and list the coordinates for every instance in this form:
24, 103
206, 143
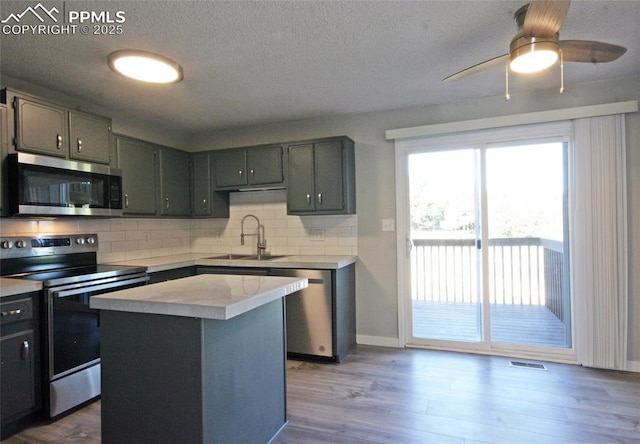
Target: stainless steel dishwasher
310, 314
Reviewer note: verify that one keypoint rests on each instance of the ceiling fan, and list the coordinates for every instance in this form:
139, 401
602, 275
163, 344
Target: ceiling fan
537, 44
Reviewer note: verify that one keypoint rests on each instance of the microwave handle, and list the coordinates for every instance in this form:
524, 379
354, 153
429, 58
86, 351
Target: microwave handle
108, 286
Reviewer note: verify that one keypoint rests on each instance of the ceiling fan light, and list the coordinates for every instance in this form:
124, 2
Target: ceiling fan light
533, 56
145, 66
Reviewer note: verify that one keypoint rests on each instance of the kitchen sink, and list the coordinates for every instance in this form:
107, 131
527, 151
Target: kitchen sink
245, 257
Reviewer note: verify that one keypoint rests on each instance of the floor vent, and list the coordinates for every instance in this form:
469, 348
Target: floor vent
527, 365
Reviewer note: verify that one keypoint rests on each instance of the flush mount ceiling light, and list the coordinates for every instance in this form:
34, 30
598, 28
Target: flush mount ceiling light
529, 54
145, 66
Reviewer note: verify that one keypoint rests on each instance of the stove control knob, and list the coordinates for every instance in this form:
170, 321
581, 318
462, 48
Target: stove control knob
91, 240
80, 241
6, 245
21, 244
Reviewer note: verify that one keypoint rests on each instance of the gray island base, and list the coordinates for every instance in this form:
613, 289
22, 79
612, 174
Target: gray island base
170, 378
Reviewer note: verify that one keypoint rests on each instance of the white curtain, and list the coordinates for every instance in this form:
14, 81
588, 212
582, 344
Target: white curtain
599, 241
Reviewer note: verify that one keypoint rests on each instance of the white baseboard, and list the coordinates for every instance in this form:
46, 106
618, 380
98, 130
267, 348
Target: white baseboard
633, 366
380, 341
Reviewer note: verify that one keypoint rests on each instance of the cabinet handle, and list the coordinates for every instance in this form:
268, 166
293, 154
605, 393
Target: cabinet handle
320, 198
24, 351
12, 312
126, 200
204, 204
308, 199
240, 173
59, 141
166, 200
253, 175
79, 145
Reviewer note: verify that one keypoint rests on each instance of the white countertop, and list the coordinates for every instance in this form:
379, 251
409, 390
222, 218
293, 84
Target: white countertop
207, 296
162, 263
10, 287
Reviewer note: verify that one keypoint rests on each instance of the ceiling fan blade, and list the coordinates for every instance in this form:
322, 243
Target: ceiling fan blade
590, 52
544, 17
477, 68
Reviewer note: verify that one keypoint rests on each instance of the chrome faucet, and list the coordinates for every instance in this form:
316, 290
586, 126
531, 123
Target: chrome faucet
262, 242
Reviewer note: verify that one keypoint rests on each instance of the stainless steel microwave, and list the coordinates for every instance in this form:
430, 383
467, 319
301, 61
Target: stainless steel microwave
47, 186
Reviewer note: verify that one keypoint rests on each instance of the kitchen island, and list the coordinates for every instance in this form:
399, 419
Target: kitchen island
199, 360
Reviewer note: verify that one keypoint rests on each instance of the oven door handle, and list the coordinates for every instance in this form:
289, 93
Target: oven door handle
114, 285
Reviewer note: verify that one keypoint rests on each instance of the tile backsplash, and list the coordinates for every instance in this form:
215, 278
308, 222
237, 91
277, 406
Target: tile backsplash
133, 238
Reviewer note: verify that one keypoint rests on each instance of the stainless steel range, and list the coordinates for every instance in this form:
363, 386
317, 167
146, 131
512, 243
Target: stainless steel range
66, 266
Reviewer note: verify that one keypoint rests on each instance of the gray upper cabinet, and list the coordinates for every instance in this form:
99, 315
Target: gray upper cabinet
249, 167
40, 127
43, 127
137, 160
174, 182
264, 165
3, 156
321, 177
90, 137
206, 201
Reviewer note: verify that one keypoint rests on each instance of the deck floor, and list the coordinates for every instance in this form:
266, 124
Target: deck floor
519, 324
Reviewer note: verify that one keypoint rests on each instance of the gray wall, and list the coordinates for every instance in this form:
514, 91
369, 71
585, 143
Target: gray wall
376, 272
376, 284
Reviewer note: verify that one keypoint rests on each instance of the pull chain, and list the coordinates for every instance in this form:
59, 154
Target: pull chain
506, 81
561, 73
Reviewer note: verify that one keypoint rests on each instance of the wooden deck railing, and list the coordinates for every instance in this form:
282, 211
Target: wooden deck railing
522, 271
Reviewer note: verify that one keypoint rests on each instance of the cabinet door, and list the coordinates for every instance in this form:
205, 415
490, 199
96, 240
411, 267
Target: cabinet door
264, 165
300, 192
206, 201
328, 176
17, 374
90, 137
3, 156
230, 168
136, 159
174, 182
201, 167
41, 128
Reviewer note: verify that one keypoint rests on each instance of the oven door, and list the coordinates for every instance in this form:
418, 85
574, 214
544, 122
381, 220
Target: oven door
74, 328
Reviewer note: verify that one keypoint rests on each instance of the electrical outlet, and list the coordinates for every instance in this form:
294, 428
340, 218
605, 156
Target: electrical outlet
316, 235
388, 225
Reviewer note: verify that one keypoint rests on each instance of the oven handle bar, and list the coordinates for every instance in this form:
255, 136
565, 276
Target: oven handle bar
115, 285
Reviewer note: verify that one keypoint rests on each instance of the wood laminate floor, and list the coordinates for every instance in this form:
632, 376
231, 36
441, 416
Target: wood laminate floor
385, 395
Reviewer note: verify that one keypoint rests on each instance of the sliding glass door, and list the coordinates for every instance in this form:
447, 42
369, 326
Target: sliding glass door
445, 263
487, 236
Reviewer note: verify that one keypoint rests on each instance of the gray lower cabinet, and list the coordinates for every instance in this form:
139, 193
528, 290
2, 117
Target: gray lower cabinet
321, 177
137, 160
206, 201
249, 167
43, 127
19, 353
171, 379
174, 182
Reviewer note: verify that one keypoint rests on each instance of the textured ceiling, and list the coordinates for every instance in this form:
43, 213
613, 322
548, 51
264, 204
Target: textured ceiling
251, 63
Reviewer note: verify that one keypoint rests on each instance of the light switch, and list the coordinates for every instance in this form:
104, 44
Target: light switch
388, 225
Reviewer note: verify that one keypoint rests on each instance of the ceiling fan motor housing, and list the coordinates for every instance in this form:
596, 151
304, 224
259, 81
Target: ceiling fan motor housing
544, 49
